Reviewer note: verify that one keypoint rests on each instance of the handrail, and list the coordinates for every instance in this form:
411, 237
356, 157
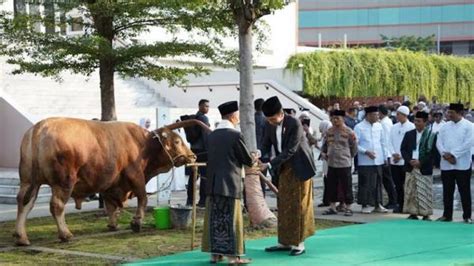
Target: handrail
302, 103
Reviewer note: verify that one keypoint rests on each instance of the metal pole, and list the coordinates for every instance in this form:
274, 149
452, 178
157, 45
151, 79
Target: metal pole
194, 172
439, 39
320, 40
345, 40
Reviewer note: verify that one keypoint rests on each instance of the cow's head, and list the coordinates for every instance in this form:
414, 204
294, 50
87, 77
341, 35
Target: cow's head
174, 148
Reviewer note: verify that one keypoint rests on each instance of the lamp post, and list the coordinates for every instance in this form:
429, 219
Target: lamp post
301, 66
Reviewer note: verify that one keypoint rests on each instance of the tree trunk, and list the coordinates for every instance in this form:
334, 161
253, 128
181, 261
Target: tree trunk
19, 7
104, 26
259, 213
49, 16
107, 93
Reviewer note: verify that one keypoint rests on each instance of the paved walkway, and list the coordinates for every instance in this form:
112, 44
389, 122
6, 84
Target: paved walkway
8, 212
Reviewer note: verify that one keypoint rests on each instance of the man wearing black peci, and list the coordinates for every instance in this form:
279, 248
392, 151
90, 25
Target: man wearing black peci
294, 165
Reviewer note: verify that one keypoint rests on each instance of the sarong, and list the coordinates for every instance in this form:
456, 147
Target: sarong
418, 194
295, 208
223, 232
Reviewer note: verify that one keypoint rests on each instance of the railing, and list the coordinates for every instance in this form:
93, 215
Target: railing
291, 96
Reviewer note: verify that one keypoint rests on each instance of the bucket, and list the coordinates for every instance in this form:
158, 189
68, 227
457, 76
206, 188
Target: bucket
180, 217
162, 217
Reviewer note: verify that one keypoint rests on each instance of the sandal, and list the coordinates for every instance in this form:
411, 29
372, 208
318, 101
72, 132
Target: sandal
239, 261
216, 259
348, 212
340, 208
329, 212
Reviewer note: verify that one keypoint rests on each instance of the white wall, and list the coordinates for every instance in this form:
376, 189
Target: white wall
13, 126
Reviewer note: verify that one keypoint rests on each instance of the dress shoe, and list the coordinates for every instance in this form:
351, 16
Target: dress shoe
277, 248
468, 221
444, 219
412, 217
380, 209
366, 210
323, 205
297, 252
426, 218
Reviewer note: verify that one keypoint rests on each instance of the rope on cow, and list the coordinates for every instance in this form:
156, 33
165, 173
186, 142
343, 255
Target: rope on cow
170, 179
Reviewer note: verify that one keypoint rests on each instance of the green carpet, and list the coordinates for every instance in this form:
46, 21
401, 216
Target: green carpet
401, 242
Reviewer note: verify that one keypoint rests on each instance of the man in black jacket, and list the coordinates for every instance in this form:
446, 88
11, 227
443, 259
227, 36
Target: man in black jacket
199, 147
418, 149
294, 165
223, 221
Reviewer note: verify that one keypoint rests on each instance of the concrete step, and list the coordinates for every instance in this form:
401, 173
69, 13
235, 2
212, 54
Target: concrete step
13, 190
11, 199
9, 177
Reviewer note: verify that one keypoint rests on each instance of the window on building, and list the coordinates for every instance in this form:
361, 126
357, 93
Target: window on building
446, 48
471, 47
77, 24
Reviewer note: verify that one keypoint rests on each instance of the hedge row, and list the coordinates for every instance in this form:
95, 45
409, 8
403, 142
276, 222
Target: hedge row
376, 72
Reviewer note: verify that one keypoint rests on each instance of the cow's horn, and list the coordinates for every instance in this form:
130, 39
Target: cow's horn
188, 123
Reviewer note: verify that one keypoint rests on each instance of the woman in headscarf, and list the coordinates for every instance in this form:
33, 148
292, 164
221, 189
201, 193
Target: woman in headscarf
145, 123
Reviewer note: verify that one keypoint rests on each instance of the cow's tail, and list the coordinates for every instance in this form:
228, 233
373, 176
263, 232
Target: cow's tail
29, 167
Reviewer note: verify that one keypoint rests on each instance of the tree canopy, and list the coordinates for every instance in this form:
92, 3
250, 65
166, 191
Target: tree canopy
107, 26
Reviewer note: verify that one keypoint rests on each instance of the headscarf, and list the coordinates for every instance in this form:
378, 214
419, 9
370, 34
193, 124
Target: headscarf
324, 126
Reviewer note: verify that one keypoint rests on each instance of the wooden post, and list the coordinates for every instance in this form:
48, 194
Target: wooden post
194, 172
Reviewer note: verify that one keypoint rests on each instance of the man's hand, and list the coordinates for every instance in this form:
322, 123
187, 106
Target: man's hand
396, 157
415, 163
371, 154
324, 156
452, 160
306, 128
449, 157
263, 166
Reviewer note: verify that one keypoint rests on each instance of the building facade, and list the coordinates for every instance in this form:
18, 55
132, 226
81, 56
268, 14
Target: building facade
362, 22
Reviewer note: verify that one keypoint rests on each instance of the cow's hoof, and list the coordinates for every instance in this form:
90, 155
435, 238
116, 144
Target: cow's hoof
22, 242
112, 228
136, 226
65, 237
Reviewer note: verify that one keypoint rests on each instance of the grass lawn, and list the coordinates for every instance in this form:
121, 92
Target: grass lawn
91, 236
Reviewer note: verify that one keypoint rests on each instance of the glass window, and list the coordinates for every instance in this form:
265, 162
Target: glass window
446, 48
471, 47
76, 24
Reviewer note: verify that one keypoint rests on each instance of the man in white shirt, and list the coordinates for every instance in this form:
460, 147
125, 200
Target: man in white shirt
372, 154
397, 163
387, 180
454, 144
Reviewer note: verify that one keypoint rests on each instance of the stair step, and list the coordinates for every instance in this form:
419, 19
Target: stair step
11, 199
13, 190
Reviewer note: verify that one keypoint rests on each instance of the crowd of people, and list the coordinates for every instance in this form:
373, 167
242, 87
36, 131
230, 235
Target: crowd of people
391, 146
395, 147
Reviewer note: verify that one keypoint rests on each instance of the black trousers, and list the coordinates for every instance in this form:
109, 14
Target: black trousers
398, 176
201, 157
388, 184
339, 185
370, 185
463, 179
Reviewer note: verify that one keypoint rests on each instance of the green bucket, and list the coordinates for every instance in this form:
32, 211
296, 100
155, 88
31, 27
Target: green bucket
162, 217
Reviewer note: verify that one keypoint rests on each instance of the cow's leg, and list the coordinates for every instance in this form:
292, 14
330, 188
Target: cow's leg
138, 188
58, 200
113, 211
25, 200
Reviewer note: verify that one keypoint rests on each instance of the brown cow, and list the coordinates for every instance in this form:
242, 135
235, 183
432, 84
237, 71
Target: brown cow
77, 158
